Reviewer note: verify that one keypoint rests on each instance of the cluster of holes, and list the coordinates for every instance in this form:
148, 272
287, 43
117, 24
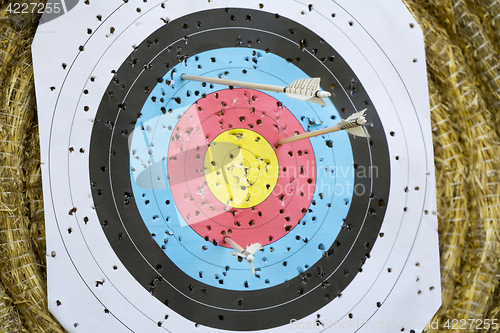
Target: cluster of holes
284, 263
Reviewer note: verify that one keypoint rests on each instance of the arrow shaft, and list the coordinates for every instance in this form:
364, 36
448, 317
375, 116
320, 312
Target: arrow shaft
233, 244
235, 83
309, 134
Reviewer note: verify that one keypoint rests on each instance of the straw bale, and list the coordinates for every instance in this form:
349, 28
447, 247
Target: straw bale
34, 194
458, 84
466, 30
451, 174
10, 319
21, 271
6, 45
489, 12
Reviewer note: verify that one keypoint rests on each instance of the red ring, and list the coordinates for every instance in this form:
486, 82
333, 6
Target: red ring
211, 219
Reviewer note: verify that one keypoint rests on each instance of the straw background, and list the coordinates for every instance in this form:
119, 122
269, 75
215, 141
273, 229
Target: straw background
463, 59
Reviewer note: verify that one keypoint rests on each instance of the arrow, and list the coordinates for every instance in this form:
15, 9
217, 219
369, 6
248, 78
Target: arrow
303, 89
352, 125
244, 253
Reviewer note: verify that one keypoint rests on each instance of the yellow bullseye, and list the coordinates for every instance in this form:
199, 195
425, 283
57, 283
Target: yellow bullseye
241, 168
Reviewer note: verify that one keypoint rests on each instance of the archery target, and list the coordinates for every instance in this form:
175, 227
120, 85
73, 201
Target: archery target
170, 167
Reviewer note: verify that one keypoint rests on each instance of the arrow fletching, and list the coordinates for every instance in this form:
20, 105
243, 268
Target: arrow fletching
252, 248
354, 124
307, 90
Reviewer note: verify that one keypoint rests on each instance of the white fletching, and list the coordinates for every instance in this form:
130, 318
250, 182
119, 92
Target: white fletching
358, 131
307, 90
354, 124
252, 248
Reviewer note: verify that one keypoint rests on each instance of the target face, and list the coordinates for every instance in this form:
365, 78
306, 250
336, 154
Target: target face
159, 171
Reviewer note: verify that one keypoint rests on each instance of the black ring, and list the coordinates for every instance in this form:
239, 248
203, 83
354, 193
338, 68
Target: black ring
209, 306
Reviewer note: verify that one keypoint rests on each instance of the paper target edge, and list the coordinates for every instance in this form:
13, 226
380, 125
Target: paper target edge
41, 108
